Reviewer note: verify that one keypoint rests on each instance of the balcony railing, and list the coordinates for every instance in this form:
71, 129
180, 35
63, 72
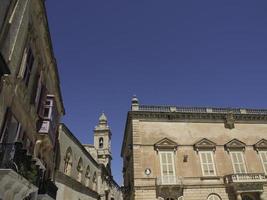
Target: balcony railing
246, 178
13, 156
48, 187
168, 180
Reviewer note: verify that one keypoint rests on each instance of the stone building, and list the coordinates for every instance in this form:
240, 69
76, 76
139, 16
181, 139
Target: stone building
83, 171
194, 153
30, 102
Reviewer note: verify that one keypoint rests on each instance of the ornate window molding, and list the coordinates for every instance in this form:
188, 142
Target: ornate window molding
205, 144
235, 144
261, 145
166, 144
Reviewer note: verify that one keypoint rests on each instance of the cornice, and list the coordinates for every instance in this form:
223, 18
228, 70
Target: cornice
197, 117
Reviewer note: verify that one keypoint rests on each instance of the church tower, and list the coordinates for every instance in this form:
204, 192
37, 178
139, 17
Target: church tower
102, 141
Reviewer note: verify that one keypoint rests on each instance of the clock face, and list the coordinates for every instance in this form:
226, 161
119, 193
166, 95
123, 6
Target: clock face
147, 171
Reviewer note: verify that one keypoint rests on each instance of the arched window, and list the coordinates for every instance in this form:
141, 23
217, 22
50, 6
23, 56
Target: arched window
214, 197
80, 170
101, 142
87, 176
68, 162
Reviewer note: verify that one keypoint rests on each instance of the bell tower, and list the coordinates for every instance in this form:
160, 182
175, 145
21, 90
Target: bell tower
102, 141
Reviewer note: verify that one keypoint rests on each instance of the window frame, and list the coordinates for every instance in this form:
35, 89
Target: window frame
264, 164
202, 163
26, 65
243, 161
170, 178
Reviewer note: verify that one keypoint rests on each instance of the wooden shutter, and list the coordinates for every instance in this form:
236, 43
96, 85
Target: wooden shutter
42, 100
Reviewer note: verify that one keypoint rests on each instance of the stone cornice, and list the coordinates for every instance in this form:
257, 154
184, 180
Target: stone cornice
197, 117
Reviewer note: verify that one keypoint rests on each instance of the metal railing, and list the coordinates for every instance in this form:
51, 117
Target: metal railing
168, 180
245, 177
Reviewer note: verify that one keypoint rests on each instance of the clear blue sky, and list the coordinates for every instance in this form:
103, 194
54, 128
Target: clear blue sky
179, 52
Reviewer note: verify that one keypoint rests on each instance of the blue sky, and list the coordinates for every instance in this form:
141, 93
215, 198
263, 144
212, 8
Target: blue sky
186, 53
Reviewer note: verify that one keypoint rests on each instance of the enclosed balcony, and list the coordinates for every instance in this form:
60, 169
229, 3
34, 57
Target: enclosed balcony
47, 124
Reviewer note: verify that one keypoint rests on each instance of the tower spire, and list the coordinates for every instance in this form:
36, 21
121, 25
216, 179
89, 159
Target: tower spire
102, 141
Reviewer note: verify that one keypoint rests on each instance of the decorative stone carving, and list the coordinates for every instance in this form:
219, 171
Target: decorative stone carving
235, 144
205, 144
261, 145
229, 121
166, 143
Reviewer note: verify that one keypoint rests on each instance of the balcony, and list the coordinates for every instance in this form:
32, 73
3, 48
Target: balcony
168, 181
246, 182
172, 184
17, 169
248, 177
47, 190
49, 119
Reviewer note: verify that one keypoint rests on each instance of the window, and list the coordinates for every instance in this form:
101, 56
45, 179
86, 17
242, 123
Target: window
26, 65
68, 162
214, 197
11, 128
207, 163
167, 167
48, 108
238, 162
101, 143
36, 91
263, 156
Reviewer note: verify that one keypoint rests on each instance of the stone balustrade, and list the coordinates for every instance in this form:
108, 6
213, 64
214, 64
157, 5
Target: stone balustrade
168, 180
245, 177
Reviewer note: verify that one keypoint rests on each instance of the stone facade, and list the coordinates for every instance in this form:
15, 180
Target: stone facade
194, 153
30, 102
83, 171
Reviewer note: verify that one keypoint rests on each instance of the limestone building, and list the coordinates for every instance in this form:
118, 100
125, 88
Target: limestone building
194, 153
83, 171
30, 102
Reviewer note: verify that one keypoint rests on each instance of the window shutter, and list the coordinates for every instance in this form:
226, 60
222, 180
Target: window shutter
37, 90
23, 63
42, 101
